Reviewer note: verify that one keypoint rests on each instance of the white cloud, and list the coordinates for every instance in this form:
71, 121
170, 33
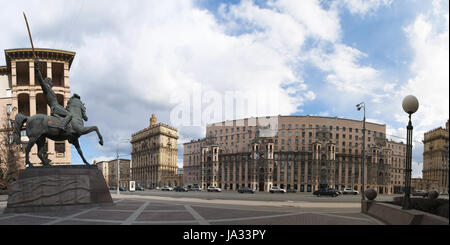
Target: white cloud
429, 40
363, 7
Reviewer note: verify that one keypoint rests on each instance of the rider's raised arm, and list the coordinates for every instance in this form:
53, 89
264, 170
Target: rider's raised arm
39, 75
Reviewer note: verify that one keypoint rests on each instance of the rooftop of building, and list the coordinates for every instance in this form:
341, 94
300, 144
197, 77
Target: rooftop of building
41, 53
154, 126
297, 116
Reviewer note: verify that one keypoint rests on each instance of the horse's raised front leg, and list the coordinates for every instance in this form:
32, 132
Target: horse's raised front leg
76, 143
87, 130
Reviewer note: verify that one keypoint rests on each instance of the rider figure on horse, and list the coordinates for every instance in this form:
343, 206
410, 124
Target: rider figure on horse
50, 96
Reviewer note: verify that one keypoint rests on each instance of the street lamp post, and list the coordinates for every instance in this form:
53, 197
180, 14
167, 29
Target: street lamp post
359, 106
410, 105
118, 164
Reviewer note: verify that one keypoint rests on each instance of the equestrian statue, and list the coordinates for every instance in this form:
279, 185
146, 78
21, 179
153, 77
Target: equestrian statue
62, 124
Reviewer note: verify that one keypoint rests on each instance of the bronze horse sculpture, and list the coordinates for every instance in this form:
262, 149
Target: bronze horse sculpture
41, 126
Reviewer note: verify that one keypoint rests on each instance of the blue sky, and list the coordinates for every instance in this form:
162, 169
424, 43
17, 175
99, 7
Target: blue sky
312, 57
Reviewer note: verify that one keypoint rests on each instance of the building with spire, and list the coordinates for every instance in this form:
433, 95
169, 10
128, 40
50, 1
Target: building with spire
154, 156
435, 172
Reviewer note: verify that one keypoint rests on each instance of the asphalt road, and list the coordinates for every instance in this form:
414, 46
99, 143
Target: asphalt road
258, 196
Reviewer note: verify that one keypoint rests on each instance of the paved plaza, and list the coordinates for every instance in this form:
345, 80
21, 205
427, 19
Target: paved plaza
153, 208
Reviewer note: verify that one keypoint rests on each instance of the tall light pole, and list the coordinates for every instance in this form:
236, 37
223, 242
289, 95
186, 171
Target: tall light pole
410, 105
118, 163
359, 106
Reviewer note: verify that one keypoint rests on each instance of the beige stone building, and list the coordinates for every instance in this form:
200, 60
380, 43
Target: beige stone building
154, 155
301, 152
435, 172
192, 162
109, 171
20, 93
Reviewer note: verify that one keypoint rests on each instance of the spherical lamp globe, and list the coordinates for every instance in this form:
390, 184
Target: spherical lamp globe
410, 104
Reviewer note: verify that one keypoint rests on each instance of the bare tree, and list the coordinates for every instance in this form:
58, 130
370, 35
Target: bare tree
10, 157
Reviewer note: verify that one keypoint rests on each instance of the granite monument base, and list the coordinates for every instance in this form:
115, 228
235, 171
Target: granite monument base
51, 188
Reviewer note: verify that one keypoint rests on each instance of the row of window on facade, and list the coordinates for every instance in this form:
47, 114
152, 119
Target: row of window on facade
344, 129
40, 106
23, 73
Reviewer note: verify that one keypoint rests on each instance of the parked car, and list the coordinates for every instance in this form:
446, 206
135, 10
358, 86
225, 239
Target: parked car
214, 188
112, 188
166, 188
122, 189
195, 188
420, 193
350, 191
326, 192
275, 189
292, 190
180, 189
245, 189
139, 188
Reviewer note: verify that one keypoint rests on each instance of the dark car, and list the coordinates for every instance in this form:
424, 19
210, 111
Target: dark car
420, 193
122, 189
139, 188
180, 189
245, 189
292, 190
326, 192
112, 188
195, 188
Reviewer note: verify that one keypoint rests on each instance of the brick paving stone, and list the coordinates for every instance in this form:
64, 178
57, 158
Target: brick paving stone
167, 207
222, 213
164, 216
158, 224
79, 222
24, 220
105, 215
123, 207
299, 219
57, 214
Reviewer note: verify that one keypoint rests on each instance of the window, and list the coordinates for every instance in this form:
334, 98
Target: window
60, 147
8, 108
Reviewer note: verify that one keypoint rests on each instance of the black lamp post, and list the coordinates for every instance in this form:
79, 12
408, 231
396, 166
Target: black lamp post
410, 105
359, 106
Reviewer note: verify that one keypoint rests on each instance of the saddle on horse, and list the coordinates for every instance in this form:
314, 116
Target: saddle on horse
56, 122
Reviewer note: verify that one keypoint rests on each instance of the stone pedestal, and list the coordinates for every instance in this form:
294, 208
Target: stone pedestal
50, 188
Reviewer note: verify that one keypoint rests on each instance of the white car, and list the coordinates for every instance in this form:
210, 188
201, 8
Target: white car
274, 189
166, 188
350, 191
214, 188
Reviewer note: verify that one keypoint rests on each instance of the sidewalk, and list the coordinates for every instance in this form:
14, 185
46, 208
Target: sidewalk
150, 210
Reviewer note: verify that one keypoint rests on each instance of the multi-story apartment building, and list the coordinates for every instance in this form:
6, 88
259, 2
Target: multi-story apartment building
154, 155
435, 172
301, 152
20, 93
397, 165
192, 162
109, 171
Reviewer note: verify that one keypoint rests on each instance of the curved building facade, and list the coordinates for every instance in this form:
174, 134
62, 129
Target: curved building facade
299, 152
21, 92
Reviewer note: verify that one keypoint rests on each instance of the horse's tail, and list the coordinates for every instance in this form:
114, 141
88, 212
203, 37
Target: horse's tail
20, 119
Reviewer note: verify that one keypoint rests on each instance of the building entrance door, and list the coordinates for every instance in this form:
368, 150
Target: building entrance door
261, 186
